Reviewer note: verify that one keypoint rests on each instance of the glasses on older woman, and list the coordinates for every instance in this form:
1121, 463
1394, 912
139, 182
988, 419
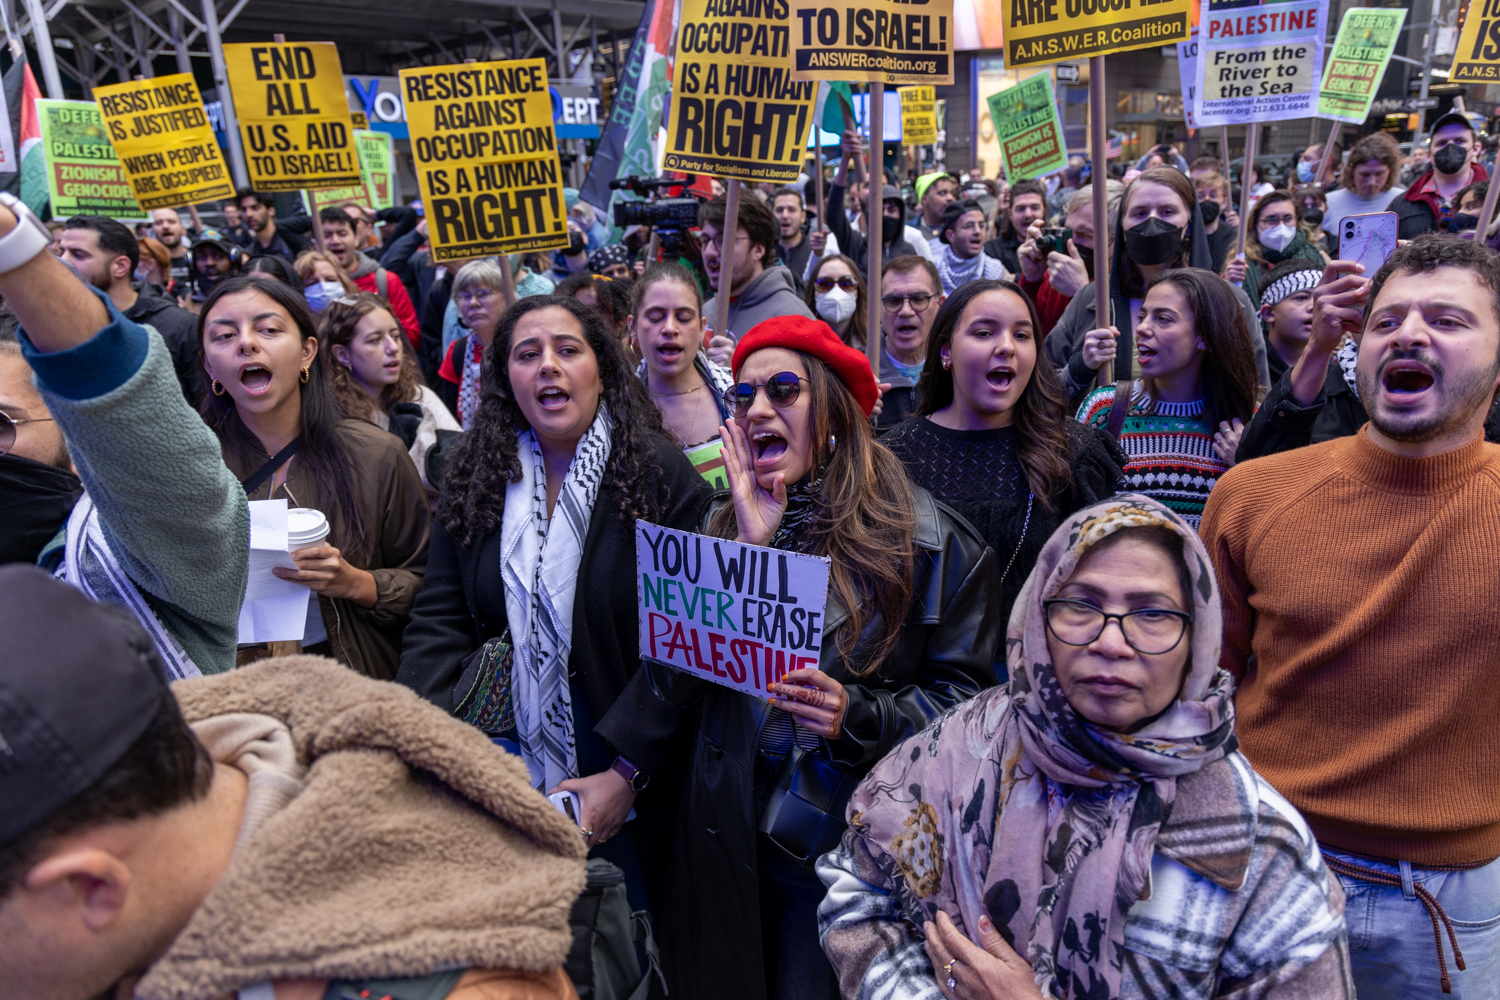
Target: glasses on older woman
1151, 631
478, 296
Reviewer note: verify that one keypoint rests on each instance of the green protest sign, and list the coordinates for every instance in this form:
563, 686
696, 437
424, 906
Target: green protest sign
1355, 65
84, 177
1028, 129
378, 165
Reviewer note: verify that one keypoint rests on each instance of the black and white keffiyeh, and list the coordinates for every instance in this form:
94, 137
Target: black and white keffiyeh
539, 559
1302, 280
955, 271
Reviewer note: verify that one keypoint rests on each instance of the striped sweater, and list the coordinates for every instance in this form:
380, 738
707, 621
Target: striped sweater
1170, 449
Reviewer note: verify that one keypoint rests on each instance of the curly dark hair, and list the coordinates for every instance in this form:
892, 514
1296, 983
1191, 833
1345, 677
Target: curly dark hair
1430, 251
485, 462
1041, 412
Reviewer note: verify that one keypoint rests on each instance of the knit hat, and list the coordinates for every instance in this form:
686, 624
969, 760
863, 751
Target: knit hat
953, 211
811, 336
609, 256
1288, 278
928, 180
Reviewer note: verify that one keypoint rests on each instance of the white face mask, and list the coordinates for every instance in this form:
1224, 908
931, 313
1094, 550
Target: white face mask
835, 306
1277, 237
320, 295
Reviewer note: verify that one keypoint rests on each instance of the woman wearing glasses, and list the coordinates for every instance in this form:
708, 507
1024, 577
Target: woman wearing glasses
992, 438
911, 630
479, 299
835, 293
527, 625
1090, 829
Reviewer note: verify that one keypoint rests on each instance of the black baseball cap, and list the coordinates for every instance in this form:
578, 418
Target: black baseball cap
953, 211
1451, 118
79, 682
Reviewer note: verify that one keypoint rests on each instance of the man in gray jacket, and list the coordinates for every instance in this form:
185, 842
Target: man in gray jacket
759, 288
162, 528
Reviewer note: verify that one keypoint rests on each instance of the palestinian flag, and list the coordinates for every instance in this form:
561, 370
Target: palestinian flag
21, 95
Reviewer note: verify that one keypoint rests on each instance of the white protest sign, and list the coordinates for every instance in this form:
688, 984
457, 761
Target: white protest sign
1187, 75
1258, 60
737, 615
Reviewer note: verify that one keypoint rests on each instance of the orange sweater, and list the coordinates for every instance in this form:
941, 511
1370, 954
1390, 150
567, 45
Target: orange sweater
1367, 587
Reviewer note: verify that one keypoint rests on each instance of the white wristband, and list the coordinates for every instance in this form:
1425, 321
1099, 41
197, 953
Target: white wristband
29, 238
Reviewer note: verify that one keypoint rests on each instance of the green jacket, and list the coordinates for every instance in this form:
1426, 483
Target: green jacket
174, 516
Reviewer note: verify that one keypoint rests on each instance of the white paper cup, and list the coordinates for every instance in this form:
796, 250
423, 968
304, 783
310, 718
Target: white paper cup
305, 527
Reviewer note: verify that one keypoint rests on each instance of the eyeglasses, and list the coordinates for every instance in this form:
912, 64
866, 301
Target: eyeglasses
1151, 631
845, 283
893, 303
782, 389
717, 242
480, 297
9, 423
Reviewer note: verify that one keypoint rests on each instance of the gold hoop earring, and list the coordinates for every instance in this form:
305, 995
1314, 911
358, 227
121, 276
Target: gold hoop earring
216, 387
304, 376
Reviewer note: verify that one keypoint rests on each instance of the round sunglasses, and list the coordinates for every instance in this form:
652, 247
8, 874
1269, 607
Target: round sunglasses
9, 423
844, 283
782, 389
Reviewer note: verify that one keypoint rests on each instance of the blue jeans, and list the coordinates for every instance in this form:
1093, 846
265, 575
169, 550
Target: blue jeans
1390, 933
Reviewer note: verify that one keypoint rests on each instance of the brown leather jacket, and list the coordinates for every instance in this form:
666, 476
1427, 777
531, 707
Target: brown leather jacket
394, 506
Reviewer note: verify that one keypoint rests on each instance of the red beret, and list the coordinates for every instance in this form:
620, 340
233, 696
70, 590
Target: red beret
811, 336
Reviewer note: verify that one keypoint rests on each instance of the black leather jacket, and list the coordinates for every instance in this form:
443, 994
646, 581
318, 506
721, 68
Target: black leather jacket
945, 655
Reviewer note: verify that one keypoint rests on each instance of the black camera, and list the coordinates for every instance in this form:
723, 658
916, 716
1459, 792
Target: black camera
668, 213
1054, 239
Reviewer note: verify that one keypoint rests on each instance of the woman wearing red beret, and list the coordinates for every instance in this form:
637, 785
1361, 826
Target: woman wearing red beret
912, 630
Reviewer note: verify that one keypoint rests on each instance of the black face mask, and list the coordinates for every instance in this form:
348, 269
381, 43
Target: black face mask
576, 244
1153, 242
1312, 216
1462, 222
37, 499
1210, 210
890, 230
1450, 159
1086, 254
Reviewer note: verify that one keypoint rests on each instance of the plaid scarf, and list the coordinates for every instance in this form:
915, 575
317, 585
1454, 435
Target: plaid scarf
1076, 808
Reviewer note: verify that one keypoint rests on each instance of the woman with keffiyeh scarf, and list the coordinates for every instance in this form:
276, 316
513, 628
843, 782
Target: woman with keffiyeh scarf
527, 626
1090, 830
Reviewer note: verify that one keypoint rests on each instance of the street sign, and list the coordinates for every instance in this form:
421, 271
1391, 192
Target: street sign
1067, 73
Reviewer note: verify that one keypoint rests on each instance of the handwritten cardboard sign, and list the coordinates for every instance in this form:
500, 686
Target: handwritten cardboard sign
737, 615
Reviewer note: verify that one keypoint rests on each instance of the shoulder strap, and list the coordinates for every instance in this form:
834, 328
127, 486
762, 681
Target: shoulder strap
277, 461
1119, 408
380, 282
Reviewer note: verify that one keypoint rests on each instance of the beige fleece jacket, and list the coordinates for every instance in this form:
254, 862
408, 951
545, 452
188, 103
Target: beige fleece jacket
382, 838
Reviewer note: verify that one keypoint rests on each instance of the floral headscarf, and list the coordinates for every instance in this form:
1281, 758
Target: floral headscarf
1076, 809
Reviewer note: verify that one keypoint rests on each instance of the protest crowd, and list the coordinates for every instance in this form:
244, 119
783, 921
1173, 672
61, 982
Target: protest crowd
1029, 654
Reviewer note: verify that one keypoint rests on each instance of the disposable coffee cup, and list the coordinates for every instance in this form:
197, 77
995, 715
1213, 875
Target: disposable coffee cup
305, 527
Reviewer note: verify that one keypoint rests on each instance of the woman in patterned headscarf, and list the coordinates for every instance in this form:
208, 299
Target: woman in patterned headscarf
1090, 830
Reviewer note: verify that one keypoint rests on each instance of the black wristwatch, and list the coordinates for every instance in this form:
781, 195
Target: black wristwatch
634, 776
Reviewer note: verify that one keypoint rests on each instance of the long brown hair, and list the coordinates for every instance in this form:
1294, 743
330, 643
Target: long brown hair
323, 451
336, 328
863, 520
857, 335
1040, 414
1132, 281
1231, 387
1253, 250
308, 258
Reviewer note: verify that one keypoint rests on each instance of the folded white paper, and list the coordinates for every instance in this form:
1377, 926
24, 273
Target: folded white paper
275, 610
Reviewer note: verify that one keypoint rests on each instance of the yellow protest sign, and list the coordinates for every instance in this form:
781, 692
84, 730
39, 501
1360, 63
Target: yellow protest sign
887, 41
486, 155
918, 115
164, 141
1478, 56
294, 117
736, 110
1044, 31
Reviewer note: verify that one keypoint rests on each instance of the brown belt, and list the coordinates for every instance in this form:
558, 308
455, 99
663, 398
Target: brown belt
1434, 911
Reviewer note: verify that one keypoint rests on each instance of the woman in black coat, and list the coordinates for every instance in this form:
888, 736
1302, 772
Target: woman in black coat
535, 531
911, 630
